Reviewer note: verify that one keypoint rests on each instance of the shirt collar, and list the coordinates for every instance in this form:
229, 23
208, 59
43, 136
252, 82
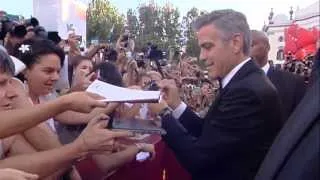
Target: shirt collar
266, 68
230, 75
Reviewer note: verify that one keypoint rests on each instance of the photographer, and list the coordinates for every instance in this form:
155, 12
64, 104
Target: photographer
154, 54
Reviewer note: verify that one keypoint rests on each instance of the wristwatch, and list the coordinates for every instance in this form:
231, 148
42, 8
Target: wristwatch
165, 112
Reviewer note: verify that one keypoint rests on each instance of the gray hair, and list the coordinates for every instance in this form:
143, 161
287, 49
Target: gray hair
6, 63
228, 22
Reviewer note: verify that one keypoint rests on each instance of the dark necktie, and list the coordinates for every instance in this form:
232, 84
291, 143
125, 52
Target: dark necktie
217, 95
219, 88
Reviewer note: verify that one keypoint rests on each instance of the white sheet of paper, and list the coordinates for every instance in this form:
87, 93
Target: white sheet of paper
118, 94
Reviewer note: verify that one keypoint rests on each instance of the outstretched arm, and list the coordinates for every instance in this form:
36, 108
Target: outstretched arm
16, 121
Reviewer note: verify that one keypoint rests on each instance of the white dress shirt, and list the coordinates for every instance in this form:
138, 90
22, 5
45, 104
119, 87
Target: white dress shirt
229, 76
182, 107
266, 68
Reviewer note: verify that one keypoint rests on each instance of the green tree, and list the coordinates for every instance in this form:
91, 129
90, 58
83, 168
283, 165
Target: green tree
103, 21
190, 39
150, 26
132, 22
156, 24
171, 28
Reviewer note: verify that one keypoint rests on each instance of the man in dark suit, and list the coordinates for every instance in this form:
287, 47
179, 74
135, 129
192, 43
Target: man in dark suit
295, 154
291, 87
232, 140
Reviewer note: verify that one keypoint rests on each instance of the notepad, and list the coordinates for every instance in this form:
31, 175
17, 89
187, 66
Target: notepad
138, 126
113, 93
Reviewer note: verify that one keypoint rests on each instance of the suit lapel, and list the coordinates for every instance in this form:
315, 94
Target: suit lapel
291, 133
215, 102
246, 69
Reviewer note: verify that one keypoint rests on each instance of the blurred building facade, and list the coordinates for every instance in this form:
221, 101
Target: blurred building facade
308, 18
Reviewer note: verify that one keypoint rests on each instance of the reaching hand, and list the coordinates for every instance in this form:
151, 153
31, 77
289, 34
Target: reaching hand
96, 138
13, 174
156, 108
83, 101
135, 87
171, 93
143, 147
82, 80
74, 175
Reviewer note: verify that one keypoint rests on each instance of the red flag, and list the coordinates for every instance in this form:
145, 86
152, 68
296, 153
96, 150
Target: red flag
289, 38
300, 41
305, 51
316, 33
304, 37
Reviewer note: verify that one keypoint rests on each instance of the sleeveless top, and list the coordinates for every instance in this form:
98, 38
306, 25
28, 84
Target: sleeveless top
42, 99
51, 96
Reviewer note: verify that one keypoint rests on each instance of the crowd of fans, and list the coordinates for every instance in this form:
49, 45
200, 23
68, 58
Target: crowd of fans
58, 70
302, 68
54, 68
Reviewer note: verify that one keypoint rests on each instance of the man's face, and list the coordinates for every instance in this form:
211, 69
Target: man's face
259, 51
217, 53
7, 92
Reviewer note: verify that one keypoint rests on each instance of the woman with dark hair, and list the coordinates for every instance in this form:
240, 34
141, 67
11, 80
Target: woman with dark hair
43, 60
80, 73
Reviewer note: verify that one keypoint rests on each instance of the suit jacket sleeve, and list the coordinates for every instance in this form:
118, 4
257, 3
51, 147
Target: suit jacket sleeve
300, 89
191, 122
231, 129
